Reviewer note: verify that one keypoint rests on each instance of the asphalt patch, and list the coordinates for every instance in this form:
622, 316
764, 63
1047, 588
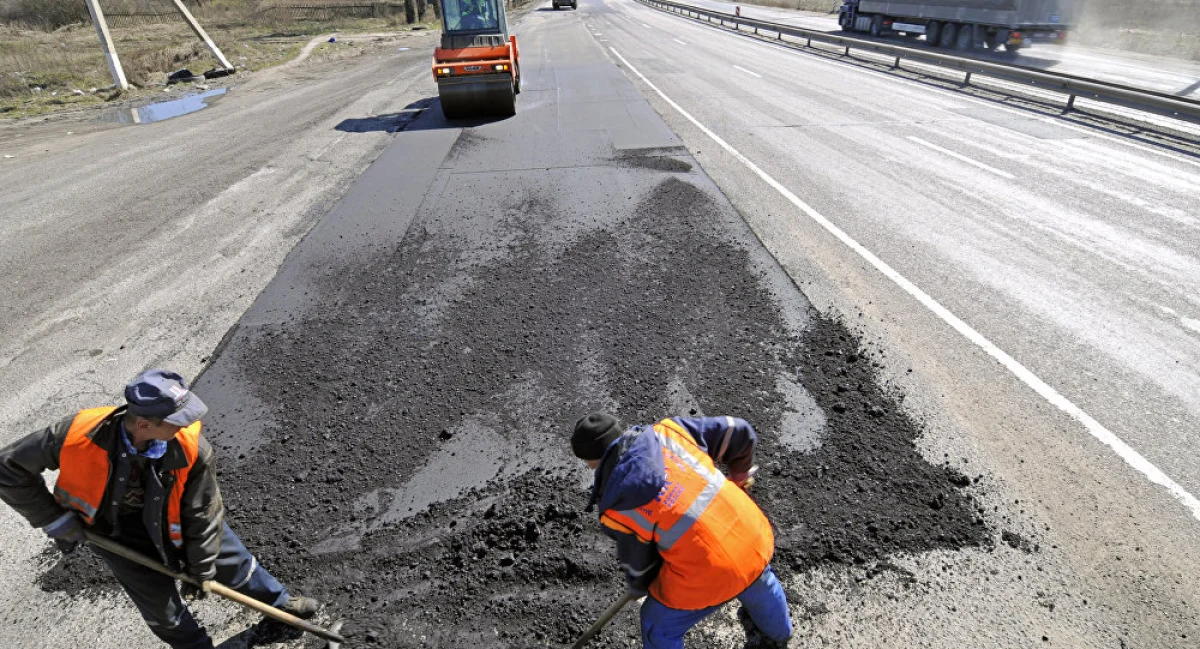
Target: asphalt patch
655, 159
81, 573
489, 344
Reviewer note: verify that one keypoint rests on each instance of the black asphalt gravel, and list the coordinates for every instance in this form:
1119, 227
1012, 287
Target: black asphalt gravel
364, 390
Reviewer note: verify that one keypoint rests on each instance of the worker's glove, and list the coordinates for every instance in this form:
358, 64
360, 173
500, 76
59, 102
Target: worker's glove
745, 479
637, 592
67, 532
192, 592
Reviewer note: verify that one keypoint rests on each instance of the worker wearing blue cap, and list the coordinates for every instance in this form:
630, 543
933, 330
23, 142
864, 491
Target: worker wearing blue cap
142, 475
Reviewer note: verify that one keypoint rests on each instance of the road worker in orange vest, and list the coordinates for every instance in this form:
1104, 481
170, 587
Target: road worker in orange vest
687, 536
143, 475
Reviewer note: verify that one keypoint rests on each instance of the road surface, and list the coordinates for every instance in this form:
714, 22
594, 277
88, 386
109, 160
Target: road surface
1174, 76
391, 411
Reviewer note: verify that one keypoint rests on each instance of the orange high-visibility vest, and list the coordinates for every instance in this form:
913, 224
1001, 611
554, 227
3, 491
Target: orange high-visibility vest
713, 540
85, 470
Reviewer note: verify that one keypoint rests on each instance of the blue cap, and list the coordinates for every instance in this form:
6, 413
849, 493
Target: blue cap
159, 394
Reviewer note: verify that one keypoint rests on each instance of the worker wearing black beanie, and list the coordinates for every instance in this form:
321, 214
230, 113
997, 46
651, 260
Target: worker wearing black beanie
594, 434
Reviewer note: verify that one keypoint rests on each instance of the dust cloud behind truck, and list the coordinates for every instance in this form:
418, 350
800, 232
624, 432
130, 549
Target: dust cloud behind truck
964, 24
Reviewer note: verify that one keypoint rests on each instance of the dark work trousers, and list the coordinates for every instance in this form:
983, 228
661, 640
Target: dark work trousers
159, 602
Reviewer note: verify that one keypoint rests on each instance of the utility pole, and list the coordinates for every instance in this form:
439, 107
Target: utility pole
106, 42
191, 21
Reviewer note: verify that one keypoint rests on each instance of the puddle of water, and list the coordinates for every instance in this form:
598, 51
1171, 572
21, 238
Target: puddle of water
163, 110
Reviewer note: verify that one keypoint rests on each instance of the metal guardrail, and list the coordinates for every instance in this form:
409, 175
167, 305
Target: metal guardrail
1128, 96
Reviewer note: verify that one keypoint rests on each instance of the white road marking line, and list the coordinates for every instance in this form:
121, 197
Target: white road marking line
748, 71
959, 156
679, 41
1095, 428
1008, 109
647, 26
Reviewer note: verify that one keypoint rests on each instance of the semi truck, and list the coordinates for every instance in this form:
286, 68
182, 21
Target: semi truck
963, 25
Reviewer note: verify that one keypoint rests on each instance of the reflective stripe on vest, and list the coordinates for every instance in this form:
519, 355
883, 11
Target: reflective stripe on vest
675, 442
703, 564
189, 440
85, 470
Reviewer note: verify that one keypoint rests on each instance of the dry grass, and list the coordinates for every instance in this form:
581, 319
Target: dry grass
42, 71
819, 6
1159, 27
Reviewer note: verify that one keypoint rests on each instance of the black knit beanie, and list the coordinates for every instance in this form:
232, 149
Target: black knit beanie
593, 434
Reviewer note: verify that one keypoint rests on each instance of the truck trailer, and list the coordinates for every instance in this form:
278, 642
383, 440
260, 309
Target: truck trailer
964, 25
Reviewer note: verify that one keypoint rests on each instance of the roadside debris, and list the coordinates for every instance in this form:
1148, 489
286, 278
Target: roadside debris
182, 75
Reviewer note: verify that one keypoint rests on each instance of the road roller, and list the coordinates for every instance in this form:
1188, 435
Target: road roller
477, 69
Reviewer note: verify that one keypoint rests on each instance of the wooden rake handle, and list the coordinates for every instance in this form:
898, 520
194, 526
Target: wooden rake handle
608, 614
212, 586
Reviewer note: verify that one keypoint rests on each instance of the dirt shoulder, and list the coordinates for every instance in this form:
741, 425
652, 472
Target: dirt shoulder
64, 70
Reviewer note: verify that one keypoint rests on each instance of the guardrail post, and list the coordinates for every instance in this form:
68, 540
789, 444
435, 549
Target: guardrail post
967, 80
1070, 103
810, 42
847, 51
897, 63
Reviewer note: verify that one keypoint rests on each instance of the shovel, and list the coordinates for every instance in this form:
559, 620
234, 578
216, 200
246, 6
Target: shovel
607, 615
330, 634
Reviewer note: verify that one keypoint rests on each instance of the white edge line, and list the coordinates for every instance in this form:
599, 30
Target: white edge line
1095, 428
959, 156
1090, 132
679, 41
748, 71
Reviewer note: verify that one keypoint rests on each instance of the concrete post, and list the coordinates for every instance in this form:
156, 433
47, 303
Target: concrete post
106, 43
212, 47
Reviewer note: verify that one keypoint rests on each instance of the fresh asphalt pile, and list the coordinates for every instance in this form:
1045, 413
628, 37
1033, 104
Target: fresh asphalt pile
475, 347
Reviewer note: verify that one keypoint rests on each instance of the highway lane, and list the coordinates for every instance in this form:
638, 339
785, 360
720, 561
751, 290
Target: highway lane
1071, 250
1175, 76
1011, 202
1092, 555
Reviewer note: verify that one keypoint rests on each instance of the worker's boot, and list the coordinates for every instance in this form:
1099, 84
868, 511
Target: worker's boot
302, 607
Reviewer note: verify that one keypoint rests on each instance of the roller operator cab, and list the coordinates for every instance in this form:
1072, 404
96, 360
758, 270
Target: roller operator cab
477, 69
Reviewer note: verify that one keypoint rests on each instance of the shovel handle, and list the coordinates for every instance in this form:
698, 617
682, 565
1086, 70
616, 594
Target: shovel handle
608, 614
212, 586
